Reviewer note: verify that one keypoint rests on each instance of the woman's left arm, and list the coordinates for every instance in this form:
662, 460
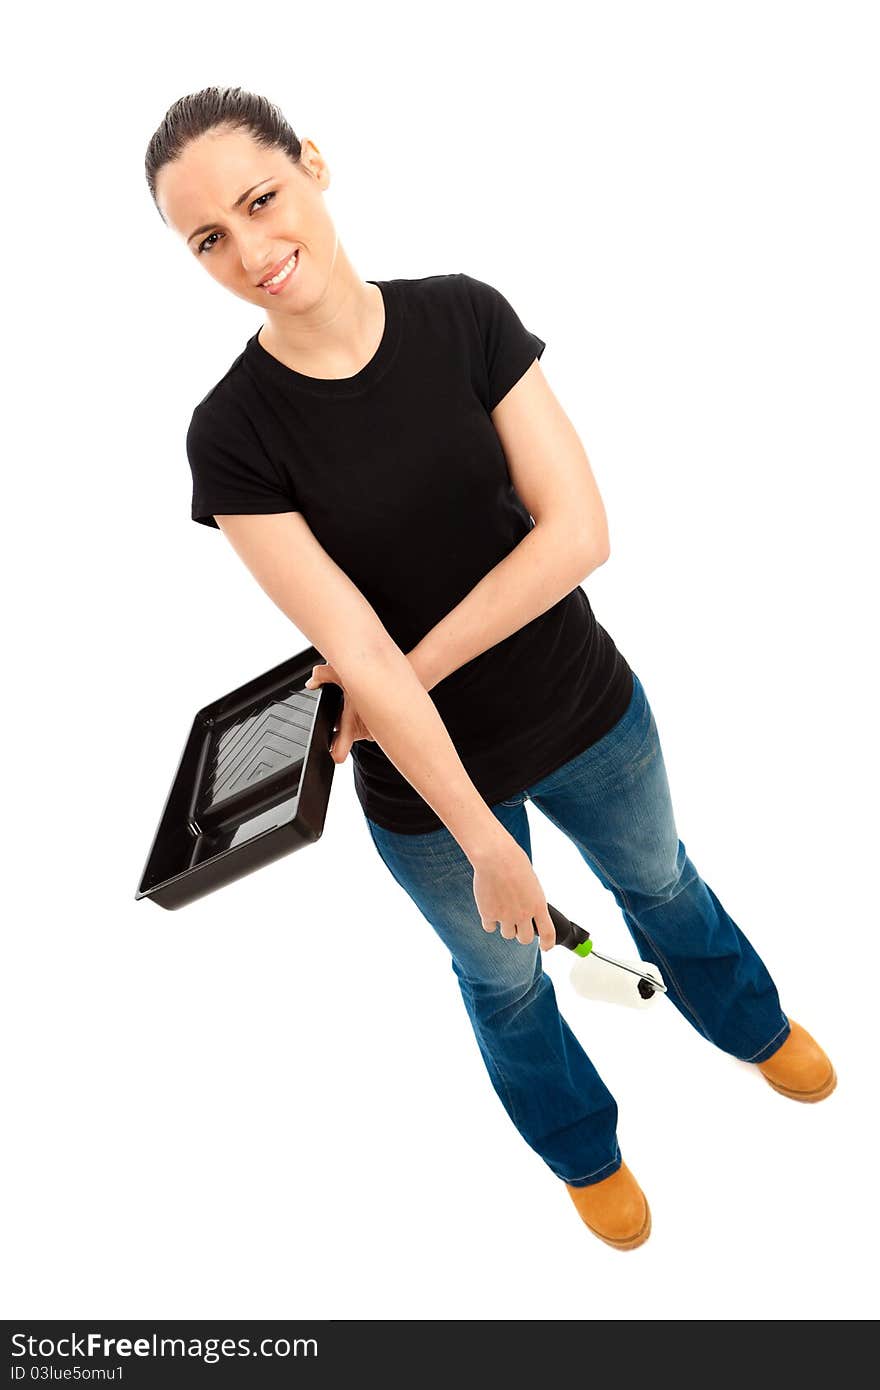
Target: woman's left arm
550, 471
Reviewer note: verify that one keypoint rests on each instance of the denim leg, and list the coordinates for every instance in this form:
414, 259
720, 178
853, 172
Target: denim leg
544, 1079
613, 802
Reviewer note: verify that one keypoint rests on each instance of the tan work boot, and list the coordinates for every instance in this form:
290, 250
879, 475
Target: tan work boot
799, 1068
615, 1209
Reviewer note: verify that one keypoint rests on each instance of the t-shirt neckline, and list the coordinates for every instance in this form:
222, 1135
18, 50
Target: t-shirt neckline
338, 386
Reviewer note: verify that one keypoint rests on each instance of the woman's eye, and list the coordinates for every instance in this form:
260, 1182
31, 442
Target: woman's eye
207, 244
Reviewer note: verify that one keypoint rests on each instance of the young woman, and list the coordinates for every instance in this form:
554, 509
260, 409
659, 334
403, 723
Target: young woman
390, 463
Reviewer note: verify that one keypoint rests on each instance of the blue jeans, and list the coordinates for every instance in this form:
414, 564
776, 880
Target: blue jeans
613, 802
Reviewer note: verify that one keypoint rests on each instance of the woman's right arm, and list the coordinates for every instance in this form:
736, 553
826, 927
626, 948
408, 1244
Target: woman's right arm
302, 579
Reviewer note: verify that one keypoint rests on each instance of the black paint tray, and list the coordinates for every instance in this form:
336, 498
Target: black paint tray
252, 785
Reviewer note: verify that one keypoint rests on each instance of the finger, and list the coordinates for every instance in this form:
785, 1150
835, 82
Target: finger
508, 930
319, 674
342, 742
525, 934
546, 930
488, 926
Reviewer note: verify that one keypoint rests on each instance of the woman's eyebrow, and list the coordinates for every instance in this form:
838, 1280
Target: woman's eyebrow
237, 204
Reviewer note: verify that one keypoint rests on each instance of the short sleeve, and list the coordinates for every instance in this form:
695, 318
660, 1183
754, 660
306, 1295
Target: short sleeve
231, 472
509, 349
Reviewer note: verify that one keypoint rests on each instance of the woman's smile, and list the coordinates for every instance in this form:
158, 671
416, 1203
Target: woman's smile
276, 285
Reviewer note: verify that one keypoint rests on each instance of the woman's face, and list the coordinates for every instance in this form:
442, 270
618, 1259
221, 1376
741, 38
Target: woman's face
240, 246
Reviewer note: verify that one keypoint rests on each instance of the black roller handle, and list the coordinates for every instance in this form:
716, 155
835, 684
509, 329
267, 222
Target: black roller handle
568, 933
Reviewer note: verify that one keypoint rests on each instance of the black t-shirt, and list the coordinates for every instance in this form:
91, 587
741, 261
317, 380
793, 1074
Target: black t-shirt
401, 476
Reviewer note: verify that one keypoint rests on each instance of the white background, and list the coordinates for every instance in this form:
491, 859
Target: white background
270, 1103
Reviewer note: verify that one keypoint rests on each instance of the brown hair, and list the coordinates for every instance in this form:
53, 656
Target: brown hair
226, 108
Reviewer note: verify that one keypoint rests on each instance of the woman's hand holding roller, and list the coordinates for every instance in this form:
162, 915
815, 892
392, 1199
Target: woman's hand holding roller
506, 890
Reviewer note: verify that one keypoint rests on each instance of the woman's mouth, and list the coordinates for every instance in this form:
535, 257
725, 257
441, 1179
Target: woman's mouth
287, 272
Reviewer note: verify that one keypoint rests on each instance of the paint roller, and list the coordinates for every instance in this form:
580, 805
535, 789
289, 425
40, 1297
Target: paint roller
635, 984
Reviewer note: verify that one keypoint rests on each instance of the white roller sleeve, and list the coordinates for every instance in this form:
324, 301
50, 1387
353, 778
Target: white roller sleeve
600, 979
